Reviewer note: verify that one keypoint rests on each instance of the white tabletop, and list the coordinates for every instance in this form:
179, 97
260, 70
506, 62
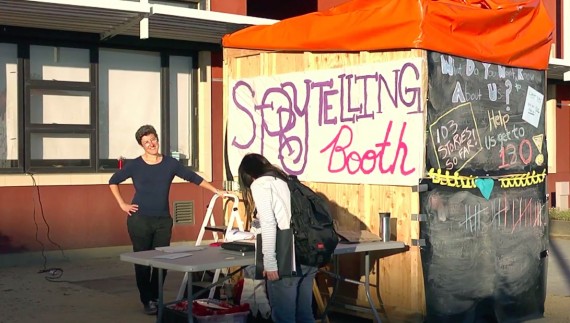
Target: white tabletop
140, 257
215, 257
200, 260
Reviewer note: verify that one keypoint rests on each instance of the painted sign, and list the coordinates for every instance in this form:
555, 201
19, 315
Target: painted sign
356, 124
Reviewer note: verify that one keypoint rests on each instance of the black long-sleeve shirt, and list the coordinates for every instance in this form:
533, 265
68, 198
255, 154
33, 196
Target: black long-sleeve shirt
152, 183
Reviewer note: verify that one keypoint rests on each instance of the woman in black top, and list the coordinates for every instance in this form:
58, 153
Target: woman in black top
149, 222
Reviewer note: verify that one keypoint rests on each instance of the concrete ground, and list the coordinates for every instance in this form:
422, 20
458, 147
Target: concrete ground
100, 288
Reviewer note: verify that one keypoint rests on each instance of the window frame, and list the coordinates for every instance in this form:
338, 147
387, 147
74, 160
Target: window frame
20, 102
90, 129
165, 107
26, 84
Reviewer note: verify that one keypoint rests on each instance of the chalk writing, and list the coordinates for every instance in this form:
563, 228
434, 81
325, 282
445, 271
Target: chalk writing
509, 154
509, 88
538, 140
483, 233
505, 213
500, 104
472, 221
516, 133
517, 213
497, 120
458, 66
455, 144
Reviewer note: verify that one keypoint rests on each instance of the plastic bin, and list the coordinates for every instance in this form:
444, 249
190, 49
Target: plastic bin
177, 313
173, 316
240, 317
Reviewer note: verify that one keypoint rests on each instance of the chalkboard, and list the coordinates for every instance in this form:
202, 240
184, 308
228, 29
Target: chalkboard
484, 259
484, 118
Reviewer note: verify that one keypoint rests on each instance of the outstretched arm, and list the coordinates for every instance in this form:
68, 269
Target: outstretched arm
205, 184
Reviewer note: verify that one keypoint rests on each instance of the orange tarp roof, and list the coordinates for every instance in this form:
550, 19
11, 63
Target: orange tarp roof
508, 32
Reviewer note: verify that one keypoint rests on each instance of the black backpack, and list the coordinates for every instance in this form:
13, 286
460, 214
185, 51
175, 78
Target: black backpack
312, 225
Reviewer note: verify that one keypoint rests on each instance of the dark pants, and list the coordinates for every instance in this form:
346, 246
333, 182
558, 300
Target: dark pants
148, 233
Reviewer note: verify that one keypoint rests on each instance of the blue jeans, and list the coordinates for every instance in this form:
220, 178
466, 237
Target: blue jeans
291, 298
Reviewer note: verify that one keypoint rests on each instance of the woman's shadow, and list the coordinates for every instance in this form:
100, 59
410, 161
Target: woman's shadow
351, 267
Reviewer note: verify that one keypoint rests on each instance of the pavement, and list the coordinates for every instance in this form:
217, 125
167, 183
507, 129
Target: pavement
95, 286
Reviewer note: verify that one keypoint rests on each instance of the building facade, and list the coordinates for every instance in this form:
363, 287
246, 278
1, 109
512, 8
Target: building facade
78, 77
558, 106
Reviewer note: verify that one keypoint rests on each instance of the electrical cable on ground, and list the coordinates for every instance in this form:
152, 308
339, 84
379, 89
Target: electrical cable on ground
55, 273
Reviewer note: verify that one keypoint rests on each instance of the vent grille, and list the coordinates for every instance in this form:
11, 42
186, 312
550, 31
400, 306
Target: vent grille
183, 212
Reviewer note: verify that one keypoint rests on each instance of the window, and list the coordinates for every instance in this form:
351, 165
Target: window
59, 109
131, 87
79, 108
129, 96
60, 150
194, 4
9, 115
59, 64
178, 3
182, 125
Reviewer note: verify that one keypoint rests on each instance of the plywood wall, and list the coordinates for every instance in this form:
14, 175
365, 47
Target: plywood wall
356, 206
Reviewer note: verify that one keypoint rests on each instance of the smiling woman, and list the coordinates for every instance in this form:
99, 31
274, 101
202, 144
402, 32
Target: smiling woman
148, 214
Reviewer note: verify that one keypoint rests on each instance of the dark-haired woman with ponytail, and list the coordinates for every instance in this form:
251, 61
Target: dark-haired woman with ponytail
265, 190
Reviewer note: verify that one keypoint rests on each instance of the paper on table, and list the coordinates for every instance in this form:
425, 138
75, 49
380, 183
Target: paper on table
173, 255
179, 248
234, 235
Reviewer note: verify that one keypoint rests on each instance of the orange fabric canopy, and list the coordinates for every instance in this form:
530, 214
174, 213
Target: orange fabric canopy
507, 32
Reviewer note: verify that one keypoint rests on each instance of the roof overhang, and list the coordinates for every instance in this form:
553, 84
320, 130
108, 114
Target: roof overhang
558, 69
118, 17
108, 18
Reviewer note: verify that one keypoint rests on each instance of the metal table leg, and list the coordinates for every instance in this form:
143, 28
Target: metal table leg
160, 296
367, 286
190, 298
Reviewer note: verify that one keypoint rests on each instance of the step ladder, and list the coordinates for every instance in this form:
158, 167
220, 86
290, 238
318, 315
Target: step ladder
209, 224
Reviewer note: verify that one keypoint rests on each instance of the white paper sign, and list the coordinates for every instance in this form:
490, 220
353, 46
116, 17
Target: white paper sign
533, 106
357, 124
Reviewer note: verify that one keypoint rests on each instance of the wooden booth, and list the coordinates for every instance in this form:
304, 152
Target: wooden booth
412, 108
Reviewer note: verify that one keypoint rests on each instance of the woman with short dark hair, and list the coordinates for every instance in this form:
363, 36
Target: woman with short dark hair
149, 222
